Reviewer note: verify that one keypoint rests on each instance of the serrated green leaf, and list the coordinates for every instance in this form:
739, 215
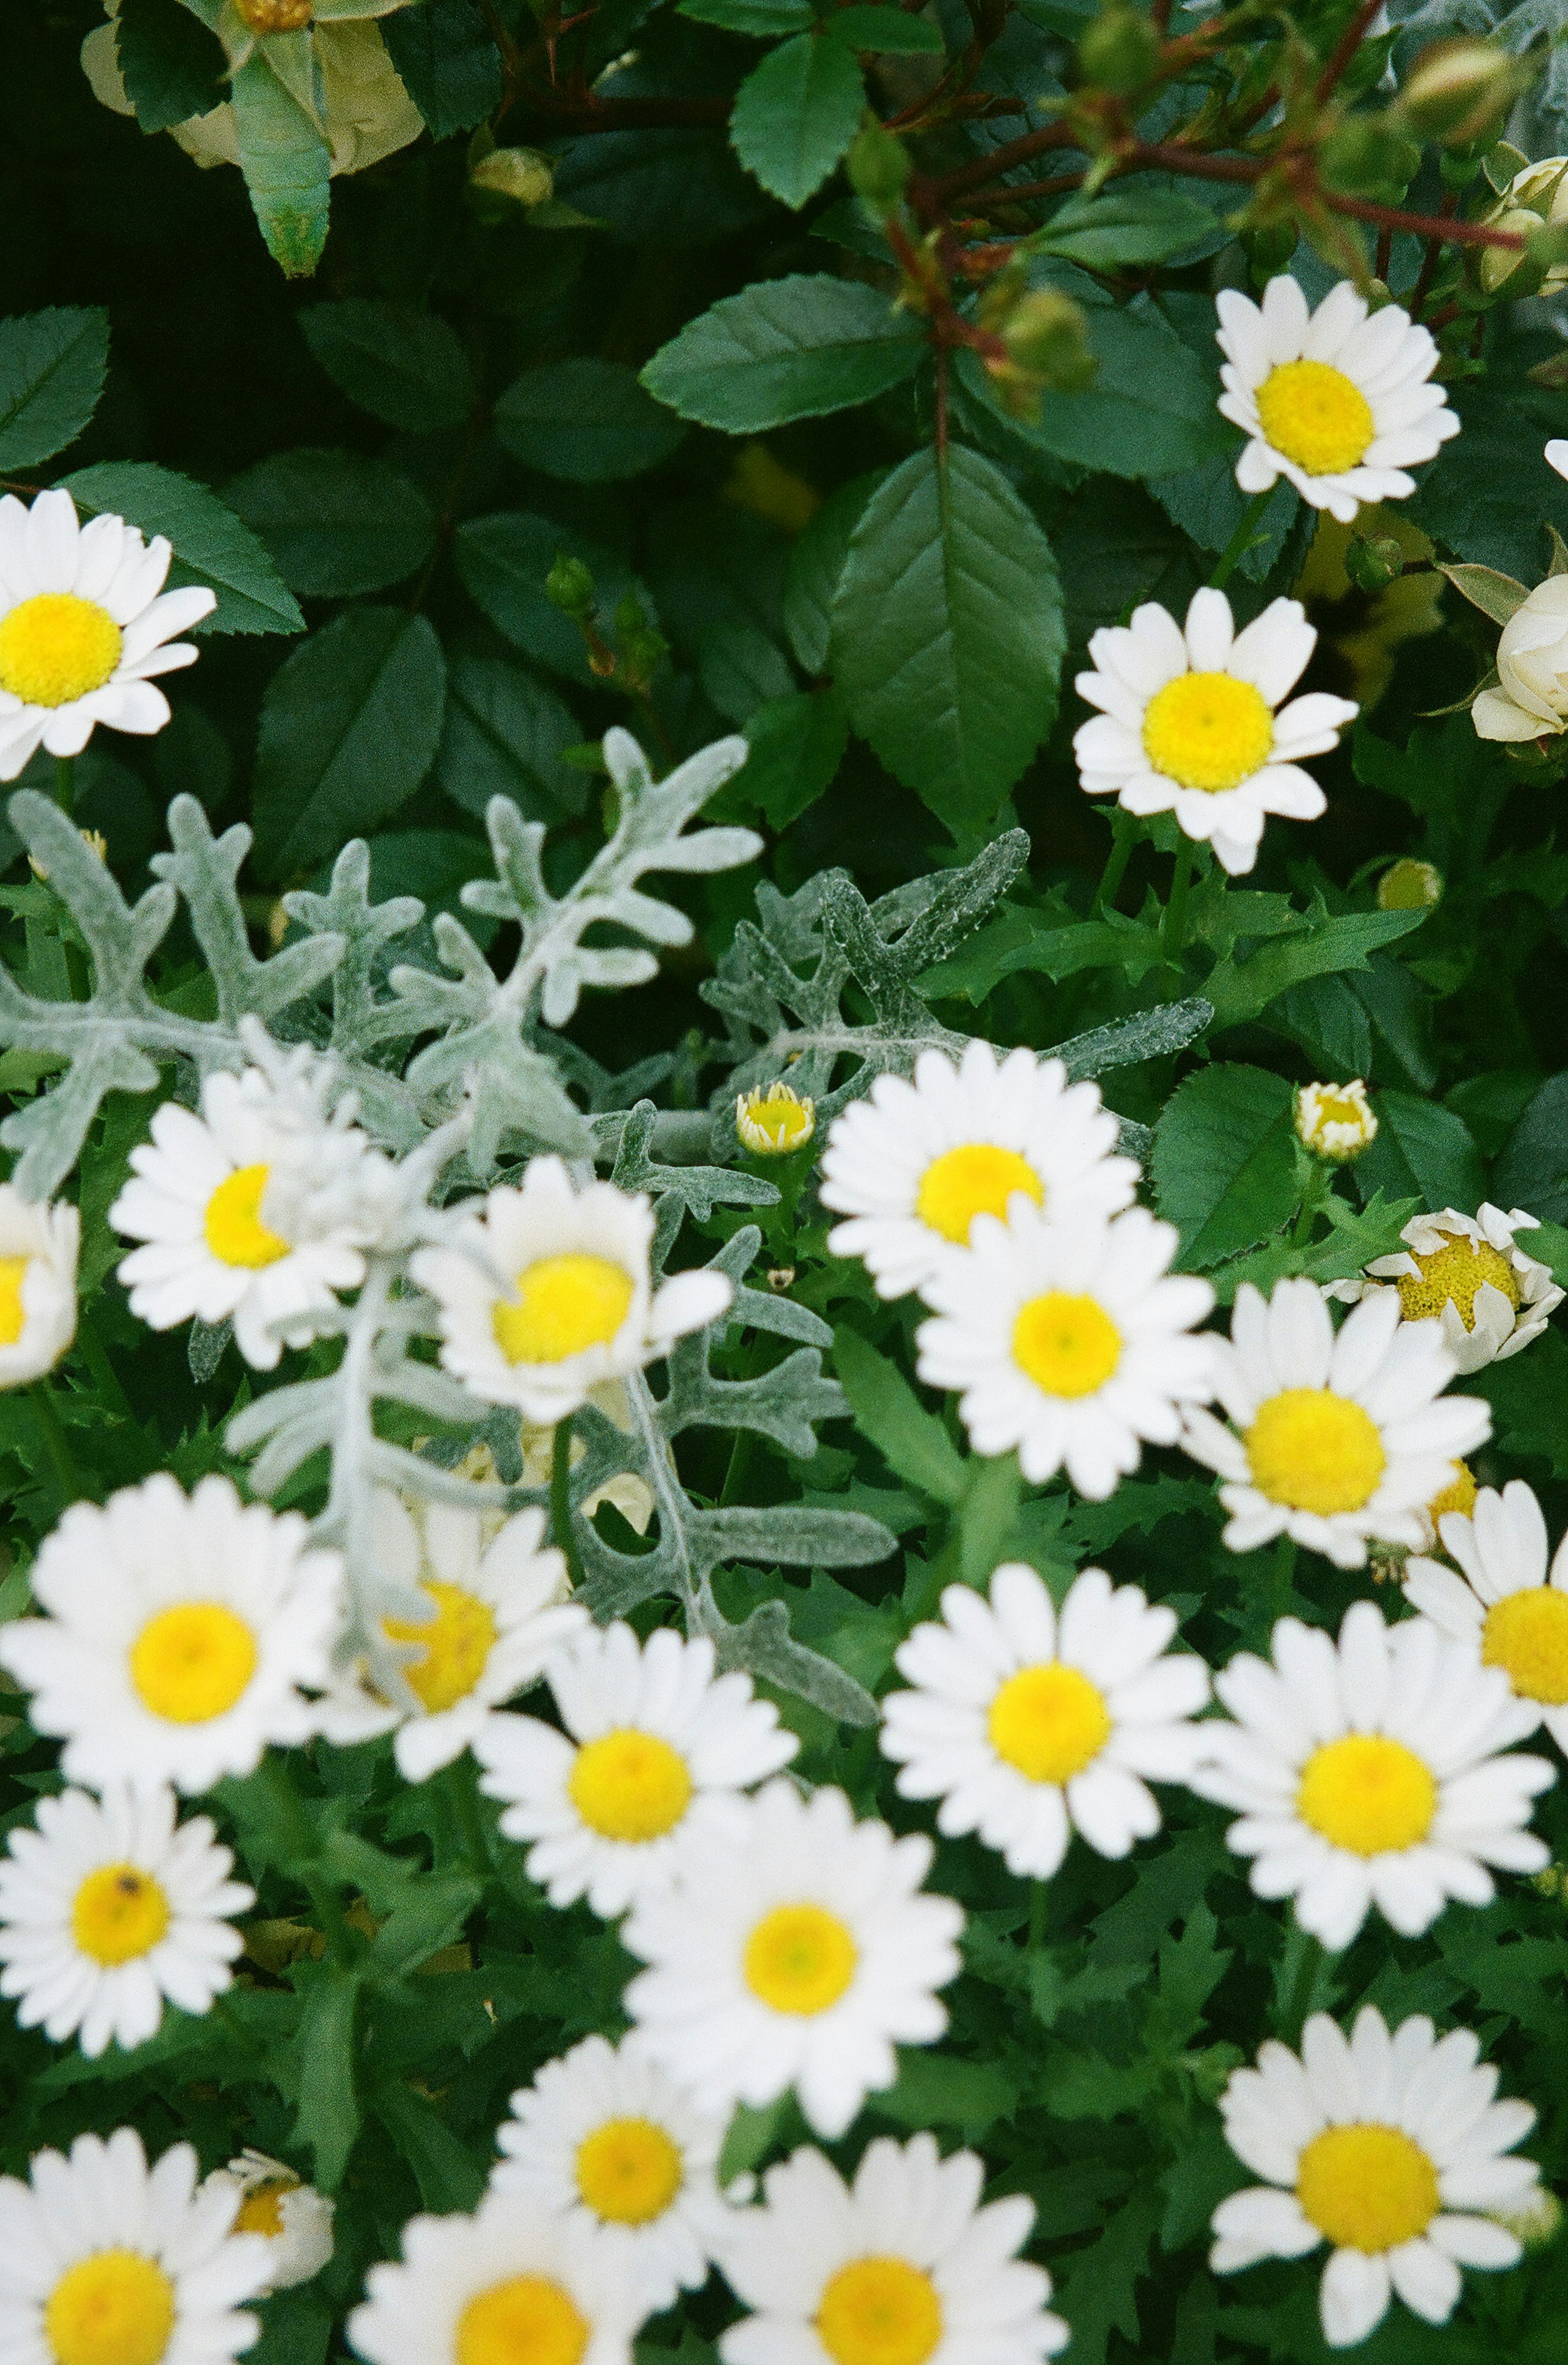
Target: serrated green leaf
795, 115
816, 564
1125, 227
1423, 1148
173, 68
210, 543
503, 562
449, 2177
785, 349
891, 31
405, 366
447, 61
911, 1441
1241, 990
328, 2119
761, 17
1527, 1394
286, 164
506, 735
796, 746
1225, 1161
335, 522
937, 2090
1531, 1172
585, 420
52, 373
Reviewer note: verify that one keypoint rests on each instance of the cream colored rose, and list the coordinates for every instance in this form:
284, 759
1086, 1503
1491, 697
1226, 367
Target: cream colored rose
1533, 670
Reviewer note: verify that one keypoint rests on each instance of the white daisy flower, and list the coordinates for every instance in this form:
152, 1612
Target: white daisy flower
515, 2281
1188, 723
38, 1285
1029, 1724
547, 1292
1508, 1608
913, 1163
84, 624
905, 2267
1336, 1122
792, 1948
106, 2261
178, 1631
1340, 1439
292, 2219
1387, 2144
256, 1211
1338, 404
496, 1593
1368, 1773
110, 1905
602, 2136
1469, 1274
774, 1121
1071, 1345
655, 1742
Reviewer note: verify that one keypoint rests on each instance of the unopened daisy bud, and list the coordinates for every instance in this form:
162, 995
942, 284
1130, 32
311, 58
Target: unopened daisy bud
293, 2218
1496, 265
1335, 1121
569, 586
878, 167
774, 1122
1120, 50
1366, 152
1409, 885
1373, 566
1537, 2220
520, 173
1048, 335
1459, 90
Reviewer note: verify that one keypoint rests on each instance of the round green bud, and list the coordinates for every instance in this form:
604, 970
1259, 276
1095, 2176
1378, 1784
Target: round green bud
569, 586
1367, 152
1046, 335
1120, 50
520, 173
879, 168
1459, 91
1409, 885
1373, 566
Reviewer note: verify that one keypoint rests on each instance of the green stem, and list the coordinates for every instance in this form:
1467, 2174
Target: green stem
561, 1501
95, 1356
65, 783
460, 1791
1173, 932
55, 1443
1281, 1584
1318, 1185
1294, 2016
1241, 541
1125, 835
734, 1477
1037, 1916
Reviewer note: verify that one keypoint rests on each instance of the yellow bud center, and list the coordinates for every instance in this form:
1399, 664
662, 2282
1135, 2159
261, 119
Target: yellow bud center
1458, 1494
564, 1306
457, 1644
13, 1320
1367, 2187
1069, 1346
1455, 1275
880, 2312
261, 2212
630, 1786
799, 1959
1367, 1794
275, 16
774, 1122
1314, 1451
1208, 730
114, 2308
232, 1226
977, 1180
628, 2171
1315, 416
1049, 1721
1527, 1634
55, 648
191, 1663
119, 1913
527, 2320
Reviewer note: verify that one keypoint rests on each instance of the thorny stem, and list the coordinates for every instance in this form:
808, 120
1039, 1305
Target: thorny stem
561, 1501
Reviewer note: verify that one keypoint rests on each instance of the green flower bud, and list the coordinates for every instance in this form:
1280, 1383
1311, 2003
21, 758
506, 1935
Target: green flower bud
520, 173
569, 586
1496, 264
1373, 566
1120, 50
1409, 885
879, 168
1046, 335
1459, 91
1367, 152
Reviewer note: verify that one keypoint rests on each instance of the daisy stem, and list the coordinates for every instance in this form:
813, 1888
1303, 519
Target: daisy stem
1241, 541
56, 1444
1037, 1916
1173, 932
1123, 838
561, 1501
1317, 1188
1293, 2019
464, 1797
65, 783
1283, 1576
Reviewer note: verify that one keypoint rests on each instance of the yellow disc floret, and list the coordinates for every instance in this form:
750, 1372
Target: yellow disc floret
774, 1122
1315, 415
13, 1318
261, 2212
630, 1786
1367, 2187
1454, 1275
628, 2171
880, 2312
266, 16
527, 2320
1069, 1346
191, 1663
114, 2308
120, 1913
1208, 730
55, 648
1367, 1794
1527, 1634
799, 1959
1314, 1451
564, 1306
1049, 1721
232, 1226
1458, 1494
977, 1180
457, 1644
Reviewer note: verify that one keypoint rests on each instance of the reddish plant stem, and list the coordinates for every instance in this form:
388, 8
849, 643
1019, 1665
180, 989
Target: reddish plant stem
942, 363
1384, 253
1428, 272
1345, 48
1432, 226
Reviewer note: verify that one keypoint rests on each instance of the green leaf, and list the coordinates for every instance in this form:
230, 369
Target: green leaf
948, 633
785, 349
336, 522
1125, 227
1527, 1394
52, 373
911, 1441
1225, 1161
1357, 1234
1240, 990
1423, 1148
891, 31
937, 2090
1531, 1172
429, 1917
795, 115
447, 62
505, 735
503, 562
586, 420
171, 66
796, 746
350, 726
210, 544
328, 2118
1099, 2285
761, 17
286, 165
449, 2177
816, 564
751, 2135
404, 365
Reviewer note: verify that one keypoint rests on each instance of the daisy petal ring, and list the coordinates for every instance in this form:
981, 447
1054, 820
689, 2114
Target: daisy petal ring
1508, 1608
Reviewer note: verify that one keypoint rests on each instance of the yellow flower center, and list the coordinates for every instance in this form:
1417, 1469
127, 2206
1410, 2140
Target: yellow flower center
192, 1663
1315, 1451
527, 2320
1208, 730
1458, 1494
1368, 1795
1315, 416
261, 2212
628, 2170
457, 1644
630, 1786
13, 1320
275, 16
232, 1226
1367, 2187
880, 2312
976, 1180
1527, 1633
1454, 1274
119, 1913
799, 1959
55, 647
1067, 1346
564, 1304
773, 1122
115, 2308
1049, 1721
